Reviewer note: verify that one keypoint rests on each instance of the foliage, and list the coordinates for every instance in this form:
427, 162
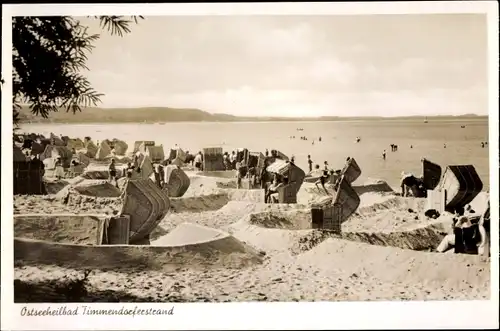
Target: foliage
49, 54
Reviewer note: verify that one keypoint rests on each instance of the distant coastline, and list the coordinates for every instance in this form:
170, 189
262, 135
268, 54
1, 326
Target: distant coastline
149, 115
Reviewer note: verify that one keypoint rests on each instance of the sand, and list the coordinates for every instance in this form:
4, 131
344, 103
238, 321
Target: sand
222, 244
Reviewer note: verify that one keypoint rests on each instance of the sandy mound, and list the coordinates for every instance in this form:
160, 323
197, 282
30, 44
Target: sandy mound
77, 203
256, 196
70, 229
133, 258
372, 185
290, 220
198, 204
218, 174
201, 185
379, 213
397, 265
97, 188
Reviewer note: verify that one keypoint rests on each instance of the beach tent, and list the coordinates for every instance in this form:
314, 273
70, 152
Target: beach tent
81, 158
180, 157
146, 205
18, 155
213, 159
431, 174
28, 177
461, 185
176, 181
52, 151
351, 170
103, 151
90, 148
76, 143
155, 153
56, 140
287, 169
120, 147
143, 143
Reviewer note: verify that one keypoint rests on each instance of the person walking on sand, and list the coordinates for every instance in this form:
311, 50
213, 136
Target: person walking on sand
384, 155
310, 163
112, 172
322, 179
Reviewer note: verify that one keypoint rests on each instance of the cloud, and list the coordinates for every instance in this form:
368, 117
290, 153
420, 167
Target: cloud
297, 65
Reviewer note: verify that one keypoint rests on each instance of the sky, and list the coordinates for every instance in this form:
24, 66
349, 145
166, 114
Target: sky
356, 65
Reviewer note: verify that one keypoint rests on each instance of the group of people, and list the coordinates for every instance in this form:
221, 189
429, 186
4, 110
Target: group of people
326, 174
158, 171
469, 230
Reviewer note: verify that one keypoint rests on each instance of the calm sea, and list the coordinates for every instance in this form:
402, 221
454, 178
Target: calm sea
463, 145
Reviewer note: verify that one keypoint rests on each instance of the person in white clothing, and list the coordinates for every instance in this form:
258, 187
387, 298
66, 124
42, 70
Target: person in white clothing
198, 161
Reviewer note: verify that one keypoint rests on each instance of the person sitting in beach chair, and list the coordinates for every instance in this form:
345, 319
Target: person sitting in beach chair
468, 234
273, 188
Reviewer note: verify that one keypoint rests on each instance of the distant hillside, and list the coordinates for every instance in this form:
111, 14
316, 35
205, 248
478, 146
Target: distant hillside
165, 114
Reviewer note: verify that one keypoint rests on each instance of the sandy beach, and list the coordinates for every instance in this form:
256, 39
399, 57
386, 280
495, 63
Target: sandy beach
220, 244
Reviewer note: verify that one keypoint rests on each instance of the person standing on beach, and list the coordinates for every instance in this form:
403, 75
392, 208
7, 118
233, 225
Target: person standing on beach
232, 159
384, 155
322, 179
326, 165
198, 161
267, 152
130, 170
59, 172
112, 172
310, 163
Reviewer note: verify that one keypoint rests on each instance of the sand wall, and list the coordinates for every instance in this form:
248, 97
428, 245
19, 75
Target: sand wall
69, 229
133, 258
